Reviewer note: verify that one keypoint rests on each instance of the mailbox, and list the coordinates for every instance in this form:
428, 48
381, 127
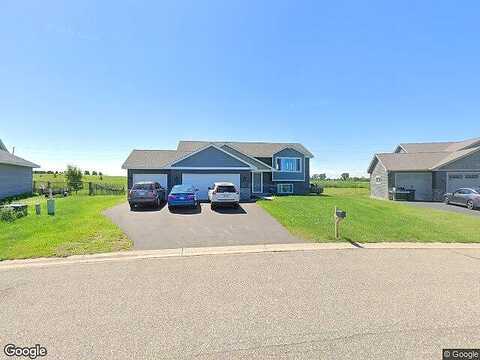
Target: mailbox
340, 214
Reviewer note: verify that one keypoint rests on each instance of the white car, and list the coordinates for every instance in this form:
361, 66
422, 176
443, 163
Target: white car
223, 193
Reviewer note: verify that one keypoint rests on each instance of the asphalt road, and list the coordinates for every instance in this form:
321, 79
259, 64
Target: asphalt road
441, 206
327, 304
162, 229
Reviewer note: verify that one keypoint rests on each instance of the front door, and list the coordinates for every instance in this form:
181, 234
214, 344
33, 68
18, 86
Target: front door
257, 182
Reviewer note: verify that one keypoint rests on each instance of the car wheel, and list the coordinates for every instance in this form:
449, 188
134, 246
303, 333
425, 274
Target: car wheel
447, 201
170, 208
212, 206
132, 207
470, 205
236, 205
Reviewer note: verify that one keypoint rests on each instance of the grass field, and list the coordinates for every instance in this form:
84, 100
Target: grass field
77, 228
117, 180
369, 220
342, 184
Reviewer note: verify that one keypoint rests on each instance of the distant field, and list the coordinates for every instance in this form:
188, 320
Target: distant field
342, 184
117, 180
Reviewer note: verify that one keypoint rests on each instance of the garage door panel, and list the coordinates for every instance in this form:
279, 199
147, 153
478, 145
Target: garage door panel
203, 181
459, 180
420, 182
162, 179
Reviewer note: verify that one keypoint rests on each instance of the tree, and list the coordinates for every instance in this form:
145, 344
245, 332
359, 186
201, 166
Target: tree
322, 176
87, 172
74, 177
100, 173
94, 173
345, 176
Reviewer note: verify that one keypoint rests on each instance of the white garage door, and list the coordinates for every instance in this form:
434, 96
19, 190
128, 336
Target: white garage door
203, 181
420, 182
160, 178
457, 181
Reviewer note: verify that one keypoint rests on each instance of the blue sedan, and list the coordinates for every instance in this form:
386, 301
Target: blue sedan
183, 195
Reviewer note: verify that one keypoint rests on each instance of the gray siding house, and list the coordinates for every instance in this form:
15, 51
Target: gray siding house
255, 168
431, 169
16, 174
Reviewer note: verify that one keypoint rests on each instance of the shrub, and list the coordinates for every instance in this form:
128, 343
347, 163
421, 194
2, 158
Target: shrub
74, 177
9, 215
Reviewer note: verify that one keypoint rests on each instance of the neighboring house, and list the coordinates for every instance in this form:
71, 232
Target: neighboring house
16, 174
431, 169
255, 168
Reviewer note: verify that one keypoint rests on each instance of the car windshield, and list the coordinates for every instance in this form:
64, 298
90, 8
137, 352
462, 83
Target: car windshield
143, 186
181, 189
226, 189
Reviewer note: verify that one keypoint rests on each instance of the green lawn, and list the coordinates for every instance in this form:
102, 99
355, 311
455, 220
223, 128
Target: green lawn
369, 220
77, 228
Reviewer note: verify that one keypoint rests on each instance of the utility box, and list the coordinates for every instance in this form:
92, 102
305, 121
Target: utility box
51, 206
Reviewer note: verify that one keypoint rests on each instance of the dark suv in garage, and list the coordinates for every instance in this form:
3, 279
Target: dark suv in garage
146, 193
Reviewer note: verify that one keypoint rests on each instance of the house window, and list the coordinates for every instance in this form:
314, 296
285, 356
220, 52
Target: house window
455, 176
471, 176
287, 164
285, 188
378, 180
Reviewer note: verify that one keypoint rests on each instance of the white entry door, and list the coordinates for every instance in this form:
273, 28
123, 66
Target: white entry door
420, 182
162, 179
203, 181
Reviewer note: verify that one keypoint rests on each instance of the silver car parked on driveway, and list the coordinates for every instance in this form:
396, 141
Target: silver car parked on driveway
465, 197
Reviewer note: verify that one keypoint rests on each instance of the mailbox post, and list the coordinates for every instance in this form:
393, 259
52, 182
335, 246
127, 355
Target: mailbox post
339, 215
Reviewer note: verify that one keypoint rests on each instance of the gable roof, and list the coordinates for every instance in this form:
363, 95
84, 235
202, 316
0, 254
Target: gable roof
10, 159
425, 156
2, 146
152, 159
253, 149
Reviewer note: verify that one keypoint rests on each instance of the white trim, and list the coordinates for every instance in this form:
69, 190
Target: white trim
170, 165
290, 158
278, 188
206, 168
261, 182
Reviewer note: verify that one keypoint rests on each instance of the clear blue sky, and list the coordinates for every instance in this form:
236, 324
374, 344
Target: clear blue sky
85, 82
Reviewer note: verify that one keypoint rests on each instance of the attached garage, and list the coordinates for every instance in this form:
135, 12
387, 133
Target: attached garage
162, 179
420, 182
203, 181
458, 180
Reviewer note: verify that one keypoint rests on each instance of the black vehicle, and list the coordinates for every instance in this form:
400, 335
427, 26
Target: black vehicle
146, 193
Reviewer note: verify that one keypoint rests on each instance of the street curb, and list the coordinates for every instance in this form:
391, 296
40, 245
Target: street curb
221, 250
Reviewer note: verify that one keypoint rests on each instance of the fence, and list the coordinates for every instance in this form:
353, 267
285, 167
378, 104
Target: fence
78, 188
105, 189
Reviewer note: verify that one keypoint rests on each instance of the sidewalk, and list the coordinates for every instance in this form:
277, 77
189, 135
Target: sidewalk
219, 250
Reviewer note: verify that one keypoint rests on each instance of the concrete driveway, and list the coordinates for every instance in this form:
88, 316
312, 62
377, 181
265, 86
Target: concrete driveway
162, 229
445, 207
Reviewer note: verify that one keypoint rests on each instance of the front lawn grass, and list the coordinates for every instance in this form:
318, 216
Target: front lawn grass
78, 227
369, 220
